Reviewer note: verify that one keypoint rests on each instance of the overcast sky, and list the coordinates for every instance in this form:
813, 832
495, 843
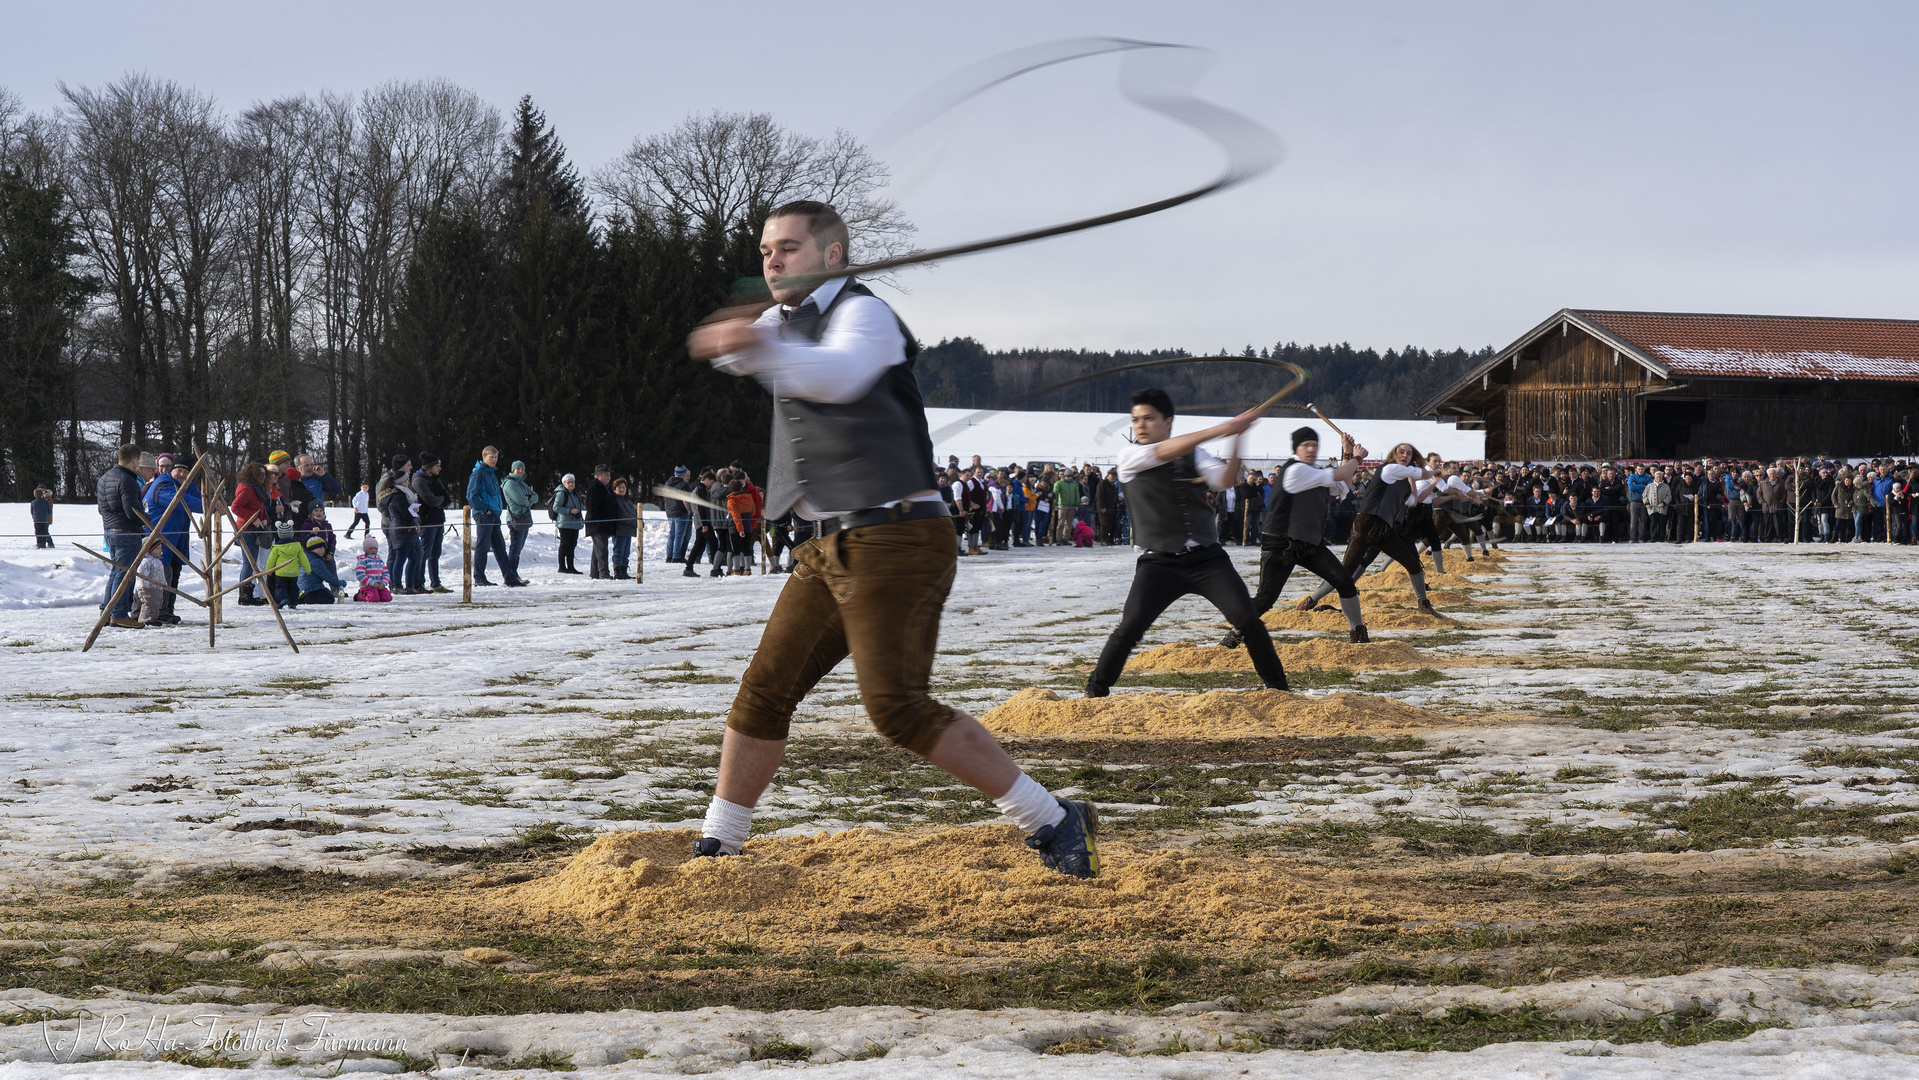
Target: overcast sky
1454, 172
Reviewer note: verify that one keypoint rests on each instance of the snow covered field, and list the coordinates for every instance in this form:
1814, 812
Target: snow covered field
1632, 686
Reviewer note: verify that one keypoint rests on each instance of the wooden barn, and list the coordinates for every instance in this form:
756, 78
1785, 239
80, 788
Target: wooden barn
1606, 385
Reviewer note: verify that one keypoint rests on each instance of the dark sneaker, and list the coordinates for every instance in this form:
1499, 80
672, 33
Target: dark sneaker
1426, 608
1281, 686
708, 847
1094, 689
482, 581
1069, 846
517, 583
1231, 640
689, 572
1359, 635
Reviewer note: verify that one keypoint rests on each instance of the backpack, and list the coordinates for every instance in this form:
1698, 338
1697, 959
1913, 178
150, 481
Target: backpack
552, 506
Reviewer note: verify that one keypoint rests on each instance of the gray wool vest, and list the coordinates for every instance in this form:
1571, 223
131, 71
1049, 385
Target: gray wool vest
1300, 517
862, 454
1168, 506
1387, 502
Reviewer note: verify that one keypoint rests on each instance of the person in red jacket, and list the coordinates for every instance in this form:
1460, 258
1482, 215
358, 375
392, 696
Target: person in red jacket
744, 504
255, 506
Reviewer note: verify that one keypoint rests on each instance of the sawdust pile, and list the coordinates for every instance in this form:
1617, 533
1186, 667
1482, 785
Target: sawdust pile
1320, 654
1289, 618
1460, 577
975, 884
1219, 714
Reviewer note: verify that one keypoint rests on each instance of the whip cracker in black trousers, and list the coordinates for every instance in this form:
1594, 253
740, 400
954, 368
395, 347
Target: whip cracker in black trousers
851, 453
1385, 503
1165, 480
1295, 529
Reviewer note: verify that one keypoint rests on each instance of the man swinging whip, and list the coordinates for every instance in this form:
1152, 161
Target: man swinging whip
1165, 479
1295, 529
851, 452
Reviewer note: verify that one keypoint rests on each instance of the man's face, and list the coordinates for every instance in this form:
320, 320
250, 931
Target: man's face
179, 474
787, 247
1150, 425
1307, 451
603, 477
492, 460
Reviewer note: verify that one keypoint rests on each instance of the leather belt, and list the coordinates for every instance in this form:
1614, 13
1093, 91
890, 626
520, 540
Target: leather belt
883, 515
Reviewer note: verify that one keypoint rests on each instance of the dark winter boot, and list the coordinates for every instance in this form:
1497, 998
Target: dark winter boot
1359, 636
619, 572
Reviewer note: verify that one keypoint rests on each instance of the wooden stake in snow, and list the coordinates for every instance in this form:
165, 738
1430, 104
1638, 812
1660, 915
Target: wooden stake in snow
466, 555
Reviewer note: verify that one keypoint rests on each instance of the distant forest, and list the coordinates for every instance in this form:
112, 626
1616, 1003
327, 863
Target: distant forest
1343, 381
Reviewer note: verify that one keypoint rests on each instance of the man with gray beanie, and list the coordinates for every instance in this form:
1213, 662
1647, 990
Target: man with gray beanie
1295, 530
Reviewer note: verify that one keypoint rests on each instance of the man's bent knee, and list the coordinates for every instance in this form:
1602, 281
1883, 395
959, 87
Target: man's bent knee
757, 724
915, 726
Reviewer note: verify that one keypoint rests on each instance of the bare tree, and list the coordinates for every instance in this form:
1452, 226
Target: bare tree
723, 170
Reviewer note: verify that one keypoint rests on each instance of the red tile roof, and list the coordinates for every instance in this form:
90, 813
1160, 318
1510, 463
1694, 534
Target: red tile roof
1768, 346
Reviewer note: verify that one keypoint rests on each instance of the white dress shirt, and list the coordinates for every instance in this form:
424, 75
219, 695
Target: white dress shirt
861, 343
1300, 477
1136, 458
862, 340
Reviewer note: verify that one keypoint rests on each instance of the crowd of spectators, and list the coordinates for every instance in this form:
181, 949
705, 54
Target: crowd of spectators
291, 551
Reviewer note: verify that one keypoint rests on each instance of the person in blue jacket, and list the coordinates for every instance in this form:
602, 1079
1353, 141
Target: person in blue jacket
319, 482
483, 495
173, 530
1639, 528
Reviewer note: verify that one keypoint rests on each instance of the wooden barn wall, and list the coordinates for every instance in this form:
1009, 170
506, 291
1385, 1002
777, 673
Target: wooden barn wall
1765, 420
1564, 424
1569, 401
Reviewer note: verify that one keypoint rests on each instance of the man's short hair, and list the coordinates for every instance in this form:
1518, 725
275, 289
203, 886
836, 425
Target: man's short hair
823, 224
485, 450
1158, 399
129, 455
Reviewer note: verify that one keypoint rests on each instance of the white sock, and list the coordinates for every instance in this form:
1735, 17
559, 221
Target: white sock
1419, 586
1439, 560
1321, 593
1030, 806
728, 823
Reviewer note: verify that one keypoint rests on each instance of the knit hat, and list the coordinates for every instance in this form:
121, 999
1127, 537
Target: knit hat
679, 470
146, 461
517, 466
163, 461
400, 461
1304, 434
370, 546
285, 529
427, 461
278, 457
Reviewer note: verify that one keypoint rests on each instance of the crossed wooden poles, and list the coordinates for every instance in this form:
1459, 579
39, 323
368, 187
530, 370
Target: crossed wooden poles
213, 513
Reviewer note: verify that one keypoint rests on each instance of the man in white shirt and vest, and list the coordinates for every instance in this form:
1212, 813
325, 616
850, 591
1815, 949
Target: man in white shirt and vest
1384, 505
1166, 480
851, 452
1295, 529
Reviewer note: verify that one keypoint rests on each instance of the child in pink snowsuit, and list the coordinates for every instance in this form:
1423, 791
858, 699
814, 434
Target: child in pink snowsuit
372, 571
